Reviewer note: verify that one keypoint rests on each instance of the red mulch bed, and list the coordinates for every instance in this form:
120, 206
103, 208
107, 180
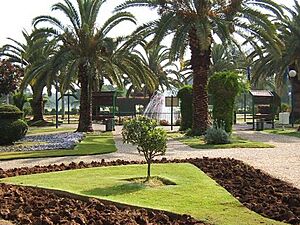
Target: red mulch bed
258, 191
25, 205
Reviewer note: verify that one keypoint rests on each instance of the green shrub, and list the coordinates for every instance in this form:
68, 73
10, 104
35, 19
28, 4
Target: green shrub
10, 112
216, 135
185, 95
20, 99
150, 140
224, 87
12, 130
285, 107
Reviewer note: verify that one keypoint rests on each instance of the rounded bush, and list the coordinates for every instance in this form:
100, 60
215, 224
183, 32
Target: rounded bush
216, 136
10, 112
12, 130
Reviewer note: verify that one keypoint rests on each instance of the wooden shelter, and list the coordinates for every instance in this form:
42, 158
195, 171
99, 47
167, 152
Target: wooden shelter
263, 107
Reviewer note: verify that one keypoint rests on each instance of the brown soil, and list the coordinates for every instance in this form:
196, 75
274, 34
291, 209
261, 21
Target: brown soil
25, 205
258, 191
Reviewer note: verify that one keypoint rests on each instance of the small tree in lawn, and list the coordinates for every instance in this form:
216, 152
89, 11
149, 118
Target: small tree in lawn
150, 140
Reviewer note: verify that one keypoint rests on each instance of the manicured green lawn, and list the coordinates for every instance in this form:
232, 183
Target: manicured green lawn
93, 144
48, 130
194, 193
237, 142
287, 131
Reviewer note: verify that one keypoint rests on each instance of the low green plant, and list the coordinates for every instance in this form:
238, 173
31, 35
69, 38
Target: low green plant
217, 135
285, 107
10, 112
20, 99
150, 140
12, 131
12, 128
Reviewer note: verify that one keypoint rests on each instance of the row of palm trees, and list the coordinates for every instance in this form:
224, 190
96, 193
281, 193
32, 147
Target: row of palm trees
79, 51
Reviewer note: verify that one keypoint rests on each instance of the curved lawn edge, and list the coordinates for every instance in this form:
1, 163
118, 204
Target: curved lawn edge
211, 166
92, 144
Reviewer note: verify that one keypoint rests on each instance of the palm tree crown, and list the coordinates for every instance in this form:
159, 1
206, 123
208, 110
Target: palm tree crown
196, 24
84, 46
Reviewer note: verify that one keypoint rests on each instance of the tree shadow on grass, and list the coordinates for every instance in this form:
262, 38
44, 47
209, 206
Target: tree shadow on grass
115, 190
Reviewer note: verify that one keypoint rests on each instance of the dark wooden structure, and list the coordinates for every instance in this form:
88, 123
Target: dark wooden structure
103, 99
119, 106
129, 106
263, 107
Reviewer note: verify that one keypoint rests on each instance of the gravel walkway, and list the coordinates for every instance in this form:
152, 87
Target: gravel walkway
282, 162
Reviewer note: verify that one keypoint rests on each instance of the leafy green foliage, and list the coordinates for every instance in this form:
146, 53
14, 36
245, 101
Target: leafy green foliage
9, 77
10, 112
12, 127
20, 99
135, 129
185, 94
216, 135
150, 141
285, 107
224, 87
12, 130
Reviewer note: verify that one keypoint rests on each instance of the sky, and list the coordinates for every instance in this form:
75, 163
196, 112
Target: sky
17, 15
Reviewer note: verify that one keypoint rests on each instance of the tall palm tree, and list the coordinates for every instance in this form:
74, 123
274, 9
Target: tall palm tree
195, 24
34, 52
83, 46
269, 65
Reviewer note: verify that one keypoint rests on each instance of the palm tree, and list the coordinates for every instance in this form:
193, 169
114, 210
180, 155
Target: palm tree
83, 46
195, 24
33, 53
122, 67
267, 65
156, 58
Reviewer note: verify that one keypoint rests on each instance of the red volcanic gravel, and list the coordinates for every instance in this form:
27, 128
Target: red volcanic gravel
258, 191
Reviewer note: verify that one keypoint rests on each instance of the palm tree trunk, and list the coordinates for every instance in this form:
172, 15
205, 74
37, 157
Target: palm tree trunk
200, 62
85, 110
37, 104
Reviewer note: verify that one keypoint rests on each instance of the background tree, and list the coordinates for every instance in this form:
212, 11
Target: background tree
84, 46
156, 58
194, 24
10, 76
34, 53
269, 65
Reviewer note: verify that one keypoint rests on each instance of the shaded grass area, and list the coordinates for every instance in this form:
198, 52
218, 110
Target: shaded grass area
194, 193
236, 142
292, 132
93, 144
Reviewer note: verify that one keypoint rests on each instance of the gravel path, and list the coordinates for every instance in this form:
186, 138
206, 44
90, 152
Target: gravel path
282, 162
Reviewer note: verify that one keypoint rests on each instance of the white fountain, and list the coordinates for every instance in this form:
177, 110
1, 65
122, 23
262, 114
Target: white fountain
156, 109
